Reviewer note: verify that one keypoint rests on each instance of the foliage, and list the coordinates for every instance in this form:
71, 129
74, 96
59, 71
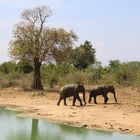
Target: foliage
94, 77
7, 67
26, 81
124, 74
78, 77
33, 39
114, 64
24, 67
51, 73
83, 56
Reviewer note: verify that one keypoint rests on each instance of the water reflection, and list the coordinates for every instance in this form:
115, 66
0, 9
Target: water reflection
17, 128
34, 132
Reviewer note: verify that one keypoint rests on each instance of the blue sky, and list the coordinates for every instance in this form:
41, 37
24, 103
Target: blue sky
112, 26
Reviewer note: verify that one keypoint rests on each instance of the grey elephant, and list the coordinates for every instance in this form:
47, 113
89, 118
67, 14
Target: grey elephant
102, 90
72, 90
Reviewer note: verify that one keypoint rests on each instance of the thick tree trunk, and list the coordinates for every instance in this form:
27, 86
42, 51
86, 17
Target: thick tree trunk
37, 77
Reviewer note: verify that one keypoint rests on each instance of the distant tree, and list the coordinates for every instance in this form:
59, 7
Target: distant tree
83, 56
114, 64
34, 41
8, 67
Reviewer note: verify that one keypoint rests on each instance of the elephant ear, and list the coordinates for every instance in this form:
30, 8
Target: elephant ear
81, 88
81, 84
77, 87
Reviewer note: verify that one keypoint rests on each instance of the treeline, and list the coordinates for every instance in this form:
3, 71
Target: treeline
117, 73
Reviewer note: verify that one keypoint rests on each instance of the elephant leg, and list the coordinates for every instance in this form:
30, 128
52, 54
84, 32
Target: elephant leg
79, 99
74, 100
59, 100
105, 99
65, 102
115, 98
95, 102
89, 100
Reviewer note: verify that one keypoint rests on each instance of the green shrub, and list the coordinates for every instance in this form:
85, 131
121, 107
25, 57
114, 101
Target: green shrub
94, 77
77, 77
25, 82
7, 84
126, 75
118, 74
7, 67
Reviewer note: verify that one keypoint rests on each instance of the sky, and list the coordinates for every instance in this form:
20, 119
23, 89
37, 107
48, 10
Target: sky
112, 26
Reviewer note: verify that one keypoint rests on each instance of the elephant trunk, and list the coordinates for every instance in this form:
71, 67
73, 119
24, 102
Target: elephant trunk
89, 97
115, 97
84, 98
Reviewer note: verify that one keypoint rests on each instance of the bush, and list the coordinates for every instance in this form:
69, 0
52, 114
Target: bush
126, 75
8, 67
25, 82
8, 84
108, 79
24, 67
77, 78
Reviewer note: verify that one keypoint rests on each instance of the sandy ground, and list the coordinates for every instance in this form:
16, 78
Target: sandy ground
122, 117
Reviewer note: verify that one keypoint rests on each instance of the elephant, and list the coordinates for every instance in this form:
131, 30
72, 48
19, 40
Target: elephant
102, 90
72, 90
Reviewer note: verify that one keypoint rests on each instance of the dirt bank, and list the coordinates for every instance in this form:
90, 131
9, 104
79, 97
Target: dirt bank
121, 117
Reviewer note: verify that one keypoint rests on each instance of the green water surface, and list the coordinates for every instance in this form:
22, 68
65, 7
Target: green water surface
13, 127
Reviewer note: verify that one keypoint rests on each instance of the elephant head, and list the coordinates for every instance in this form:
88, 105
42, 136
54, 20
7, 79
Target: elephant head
81, 88
112, 90
90, 96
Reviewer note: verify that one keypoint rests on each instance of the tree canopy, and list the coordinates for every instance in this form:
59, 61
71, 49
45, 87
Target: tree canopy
33, 39
83, 56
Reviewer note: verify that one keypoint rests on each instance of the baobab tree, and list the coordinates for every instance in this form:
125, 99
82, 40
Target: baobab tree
34, 41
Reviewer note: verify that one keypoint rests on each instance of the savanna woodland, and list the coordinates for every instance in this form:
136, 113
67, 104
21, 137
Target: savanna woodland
44, 60
45, 57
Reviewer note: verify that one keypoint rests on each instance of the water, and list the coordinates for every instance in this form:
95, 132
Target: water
13, 127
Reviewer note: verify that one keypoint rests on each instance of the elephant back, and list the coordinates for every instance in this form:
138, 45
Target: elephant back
67, 88
73, 88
